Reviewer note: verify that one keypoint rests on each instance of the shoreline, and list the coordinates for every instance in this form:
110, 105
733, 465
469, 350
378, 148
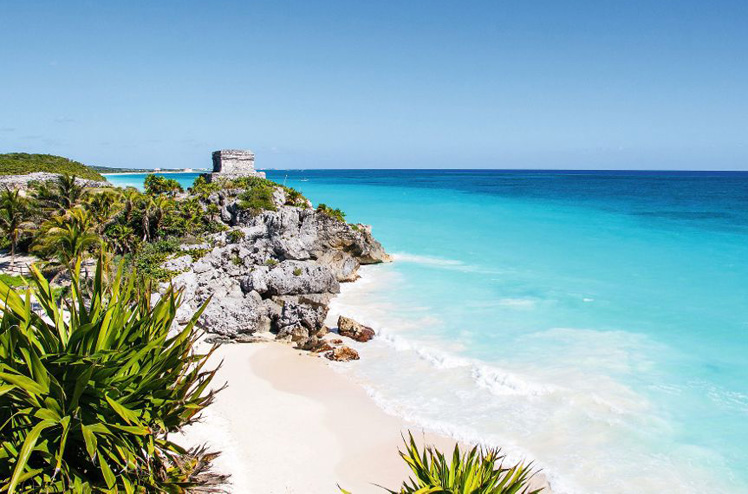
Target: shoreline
289, 423
148, 172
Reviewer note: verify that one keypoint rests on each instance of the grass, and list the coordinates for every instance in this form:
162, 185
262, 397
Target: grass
13, 281
23, 164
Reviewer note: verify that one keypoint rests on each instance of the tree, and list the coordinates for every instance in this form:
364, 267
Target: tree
157, 185
67, 239
60, 194
13, 217
103, 206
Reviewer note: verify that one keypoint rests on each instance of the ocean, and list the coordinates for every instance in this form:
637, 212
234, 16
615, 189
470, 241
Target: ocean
594, 322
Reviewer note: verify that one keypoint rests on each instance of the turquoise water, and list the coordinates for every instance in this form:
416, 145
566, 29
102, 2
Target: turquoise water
595, 322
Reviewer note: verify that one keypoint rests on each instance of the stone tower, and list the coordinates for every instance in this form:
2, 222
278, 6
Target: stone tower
234, 163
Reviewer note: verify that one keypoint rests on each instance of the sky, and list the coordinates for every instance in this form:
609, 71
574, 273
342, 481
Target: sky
596, 84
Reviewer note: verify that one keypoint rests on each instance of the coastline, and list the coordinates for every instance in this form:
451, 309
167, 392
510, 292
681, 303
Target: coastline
289, 423
164, 172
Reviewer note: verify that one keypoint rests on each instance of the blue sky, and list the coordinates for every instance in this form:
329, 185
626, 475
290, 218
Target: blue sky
595, 84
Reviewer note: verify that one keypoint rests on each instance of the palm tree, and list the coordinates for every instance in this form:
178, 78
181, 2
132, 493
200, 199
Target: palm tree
155, 210
130, 197
60, 194
104, 206
13, 214
67, 239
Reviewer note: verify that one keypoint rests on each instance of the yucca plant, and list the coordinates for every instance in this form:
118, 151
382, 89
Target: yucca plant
478, 471
91, 386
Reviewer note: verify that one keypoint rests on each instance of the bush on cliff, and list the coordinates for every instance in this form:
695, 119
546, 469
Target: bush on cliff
257, 197
23, 163
335, 214
89, 398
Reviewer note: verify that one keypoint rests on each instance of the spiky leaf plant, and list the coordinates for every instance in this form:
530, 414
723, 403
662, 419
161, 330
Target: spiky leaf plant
91, 386
478, 471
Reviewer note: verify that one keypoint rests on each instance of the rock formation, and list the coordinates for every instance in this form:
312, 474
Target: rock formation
23, 181
353, 330
234, 163
276, 279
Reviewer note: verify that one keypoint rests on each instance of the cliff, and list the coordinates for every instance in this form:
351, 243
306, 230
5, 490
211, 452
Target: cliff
274, 274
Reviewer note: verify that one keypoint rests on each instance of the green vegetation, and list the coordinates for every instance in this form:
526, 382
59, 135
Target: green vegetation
335, 214
297, 272
89, 400
271, 262
234, 236
13, 211
13, 281
257, 195
158, 184
23, 163
109, 169
477, 471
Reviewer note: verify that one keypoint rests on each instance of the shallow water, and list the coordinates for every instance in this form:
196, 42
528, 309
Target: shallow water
596, 322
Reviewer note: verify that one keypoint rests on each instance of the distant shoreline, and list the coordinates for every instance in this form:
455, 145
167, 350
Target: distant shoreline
153, 171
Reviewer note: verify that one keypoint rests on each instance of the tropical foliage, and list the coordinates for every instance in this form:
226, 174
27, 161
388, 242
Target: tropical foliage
335, 214
477, 471
93, 385
13, 214
23, 163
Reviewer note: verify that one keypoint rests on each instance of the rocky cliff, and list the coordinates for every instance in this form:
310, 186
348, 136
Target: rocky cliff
274, 273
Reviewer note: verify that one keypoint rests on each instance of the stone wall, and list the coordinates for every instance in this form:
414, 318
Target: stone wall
234, 163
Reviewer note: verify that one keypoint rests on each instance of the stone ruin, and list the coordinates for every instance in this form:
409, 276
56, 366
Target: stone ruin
234, 163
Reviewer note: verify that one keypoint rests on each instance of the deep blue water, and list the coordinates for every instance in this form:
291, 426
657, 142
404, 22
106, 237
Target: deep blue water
594, 321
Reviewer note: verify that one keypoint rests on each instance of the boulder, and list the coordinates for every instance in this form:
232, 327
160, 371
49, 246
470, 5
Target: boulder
342, 354
350, 328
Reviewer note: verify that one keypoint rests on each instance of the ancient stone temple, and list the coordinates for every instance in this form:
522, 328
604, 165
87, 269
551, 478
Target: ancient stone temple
234, 163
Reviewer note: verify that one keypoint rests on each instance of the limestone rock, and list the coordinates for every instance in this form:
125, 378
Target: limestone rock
24, 181
342, 354
350, 328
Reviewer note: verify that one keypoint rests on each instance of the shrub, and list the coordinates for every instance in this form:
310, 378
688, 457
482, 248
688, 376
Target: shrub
150, 259
335, 214
477, 471
256, 199
234, 236
89, 400
198, 253
271, 262
297, 272
202, 188
157, 184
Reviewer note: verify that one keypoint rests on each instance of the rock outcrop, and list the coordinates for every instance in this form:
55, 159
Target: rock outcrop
24, 181
277, 276
342, 354
353, 330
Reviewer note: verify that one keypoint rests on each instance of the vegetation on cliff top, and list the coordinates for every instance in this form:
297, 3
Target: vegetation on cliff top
23, 164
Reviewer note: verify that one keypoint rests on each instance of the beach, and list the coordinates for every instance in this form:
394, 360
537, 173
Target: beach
289, 423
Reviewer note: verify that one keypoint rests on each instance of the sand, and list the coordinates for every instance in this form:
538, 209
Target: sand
288, 423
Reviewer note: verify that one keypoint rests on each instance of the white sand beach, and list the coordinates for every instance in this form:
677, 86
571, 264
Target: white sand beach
288, 423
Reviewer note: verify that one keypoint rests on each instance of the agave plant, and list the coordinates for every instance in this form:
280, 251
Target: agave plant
478, 471
92, 385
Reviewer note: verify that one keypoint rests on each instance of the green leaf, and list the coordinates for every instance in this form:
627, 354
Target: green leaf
26, 449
